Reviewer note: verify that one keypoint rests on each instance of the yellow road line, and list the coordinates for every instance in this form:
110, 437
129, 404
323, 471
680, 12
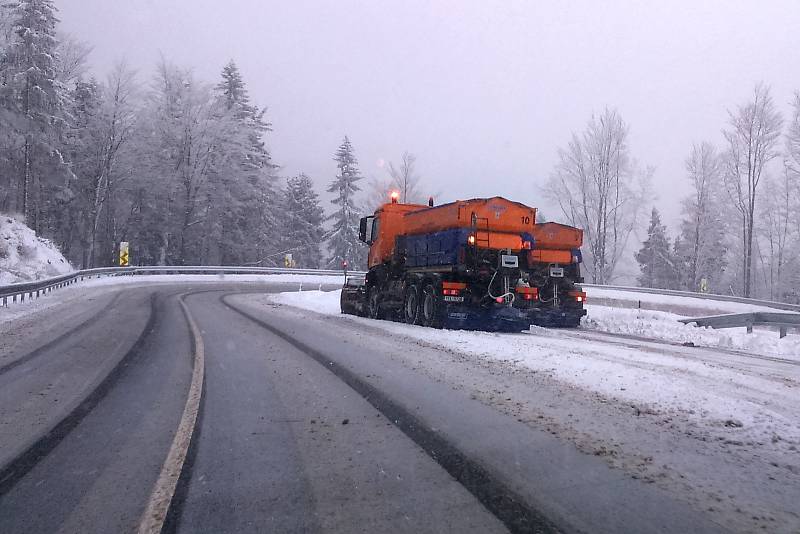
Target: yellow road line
155, 514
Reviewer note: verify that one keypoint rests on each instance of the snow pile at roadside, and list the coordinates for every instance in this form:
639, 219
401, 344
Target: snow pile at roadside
664, 326
326, 302
654, 325
24, 256
652, 379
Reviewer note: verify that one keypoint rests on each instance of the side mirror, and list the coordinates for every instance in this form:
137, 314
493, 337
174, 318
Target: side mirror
362, 230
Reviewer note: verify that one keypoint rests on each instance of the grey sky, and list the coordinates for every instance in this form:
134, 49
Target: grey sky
482, 92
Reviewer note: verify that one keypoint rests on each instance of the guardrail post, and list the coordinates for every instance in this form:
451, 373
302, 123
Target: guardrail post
782, 331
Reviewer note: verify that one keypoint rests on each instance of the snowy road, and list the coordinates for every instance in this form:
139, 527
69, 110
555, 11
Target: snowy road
312, 421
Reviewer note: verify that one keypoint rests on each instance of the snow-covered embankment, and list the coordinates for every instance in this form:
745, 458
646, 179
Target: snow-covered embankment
24, 256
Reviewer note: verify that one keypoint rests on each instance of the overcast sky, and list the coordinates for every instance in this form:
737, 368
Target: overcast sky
482, 92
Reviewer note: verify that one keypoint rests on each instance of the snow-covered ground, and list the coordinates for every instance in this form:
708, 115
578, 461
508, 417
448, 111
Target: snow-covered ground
24, 256
664, 326
648, 324
718, 423
658, 375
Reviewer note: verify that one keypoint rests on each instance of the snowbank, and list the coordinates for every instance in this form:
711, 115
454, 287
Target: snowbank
705, 385
664, 326
647, 324
24, 256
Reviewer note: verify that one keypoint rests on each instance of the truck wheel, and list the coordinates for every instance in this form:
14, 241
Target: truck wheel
431, 307
411, 305
374, 305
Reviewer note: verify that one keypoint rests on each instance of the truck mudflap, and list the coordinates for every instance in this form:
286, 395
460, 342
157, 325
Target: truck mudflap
557, 317
509, 319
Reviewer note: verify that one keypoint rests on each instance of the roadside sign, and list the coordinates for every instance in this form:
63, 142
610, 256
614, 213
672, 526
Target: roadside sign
123, 253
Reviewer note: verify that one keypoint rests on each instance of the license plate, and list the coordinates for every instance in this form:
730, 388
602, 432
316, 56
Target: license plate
557, 272
453, 299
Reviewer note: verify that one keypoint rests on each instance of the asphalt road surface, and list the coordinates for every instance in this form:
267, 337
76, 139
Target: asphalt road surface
191, 408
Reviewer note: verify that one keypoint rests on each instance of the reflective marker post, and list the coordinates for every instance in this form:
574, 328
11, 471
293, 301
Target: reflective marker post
123, 253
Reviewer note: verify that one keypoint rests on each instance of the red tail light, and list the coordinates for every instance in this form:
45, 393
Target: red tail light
453, 289
579, 296
528, 293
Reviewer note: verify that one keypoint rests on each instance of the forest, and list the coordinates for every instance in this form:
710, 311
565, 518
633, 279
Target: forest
181, 168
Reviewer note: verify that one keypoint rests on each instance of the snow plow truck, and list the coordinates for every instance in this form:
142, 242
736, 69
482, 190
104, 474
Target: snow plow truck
480, 264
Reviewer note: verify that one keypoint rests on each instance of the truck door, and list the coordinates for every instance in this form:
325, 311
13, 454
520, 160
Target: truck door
374, 235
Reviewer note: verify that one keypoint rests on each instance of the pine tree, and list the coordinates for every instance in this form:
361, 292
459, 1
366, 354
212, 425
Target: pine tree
303, 230
655, 256
32, 95
252, 212
343, 237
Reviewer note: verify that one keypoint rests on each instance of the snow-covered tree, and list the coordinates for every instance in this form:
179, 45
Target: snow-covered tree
302, 225
701, 246
655, 257
792, 145
185, 132
102, 120
778, 228
252, 217
31, 101
406, 180
343, 237
600, 189
753, 135
71, 64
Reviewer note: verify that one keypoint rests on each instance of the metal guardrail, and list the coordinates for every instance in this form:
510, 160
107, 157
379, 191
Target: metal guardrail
782, 321
704, 296
19, 291
14, 292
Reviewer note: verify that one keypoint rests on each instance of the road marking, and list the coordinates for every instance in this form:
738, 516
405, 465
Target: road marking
155, 514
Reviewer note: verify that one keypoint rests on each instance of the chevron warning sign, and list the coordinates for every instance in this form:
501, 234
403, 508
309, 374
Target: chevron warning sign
123, 254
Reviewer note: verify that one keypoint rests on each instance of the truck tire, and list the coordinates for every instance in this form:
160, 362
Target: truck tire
431, 307
411, 305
